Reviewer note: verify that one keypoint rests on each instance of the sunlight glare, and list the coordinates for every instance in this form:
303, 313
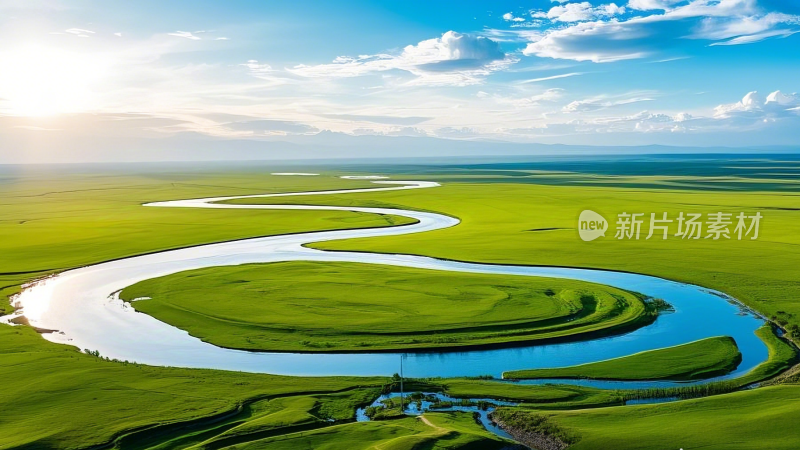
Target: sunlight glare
40, 81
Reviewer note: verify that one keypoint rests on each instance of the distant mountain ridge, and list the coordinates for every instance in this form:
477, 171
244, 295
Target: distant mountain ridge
57, 148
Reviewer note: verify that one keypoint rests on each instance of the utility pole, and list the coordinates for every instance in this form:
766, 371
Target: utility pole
402, 409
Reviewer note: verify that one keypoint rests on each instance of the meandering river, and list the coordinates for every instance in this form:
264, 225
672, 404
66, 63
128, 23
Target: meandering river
81, 305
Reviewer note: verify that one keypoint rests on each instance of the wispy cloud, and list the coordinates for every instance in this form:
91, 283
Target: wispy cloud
749, 39
666, 60
552, 77
79, 32
549, 96
185, 35
598, 103
389, 120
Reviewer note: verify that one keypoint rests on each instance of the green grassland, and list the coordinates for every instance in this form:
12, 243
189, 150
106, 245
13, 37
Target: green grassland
760, 419
776, 173
537, 225
50, 222
302, 306
443, 431
782, 355
547, 396
56, 397
701, 359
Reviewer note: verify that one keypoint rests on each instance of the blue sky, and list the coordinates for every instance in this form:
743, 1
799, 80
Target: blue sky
633, 72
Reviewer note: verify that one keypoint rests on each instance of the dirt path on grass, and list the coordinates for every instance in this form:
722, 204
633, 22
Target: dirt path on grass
427, 422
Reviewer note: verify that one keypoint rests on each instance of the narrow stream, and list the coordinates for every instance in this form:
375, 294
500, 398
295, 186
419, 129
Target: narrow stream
435, 401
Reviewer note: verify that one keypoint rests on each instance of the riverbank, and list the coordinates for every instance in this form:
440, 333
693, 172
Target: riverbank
703, 359
534, 430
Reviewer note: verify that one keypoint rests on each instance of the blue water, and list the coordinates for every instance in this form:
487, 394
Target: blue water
699, 313
414, 410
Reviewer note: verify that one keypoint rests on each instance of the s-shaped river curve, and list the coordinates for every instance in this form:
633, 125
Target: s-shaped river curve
80, 305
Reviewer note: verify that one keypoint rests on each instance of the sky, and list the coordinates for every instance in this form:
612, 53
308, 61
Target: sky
83, 79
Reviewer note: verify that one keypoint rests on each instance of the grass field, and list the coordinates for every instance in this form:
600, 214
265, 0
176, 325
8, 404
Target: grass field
548, 396
165, 408
347, 306
537, 225
696, 360
58, 394
50, 222
782, 356
760, 419
56, 397
438, 431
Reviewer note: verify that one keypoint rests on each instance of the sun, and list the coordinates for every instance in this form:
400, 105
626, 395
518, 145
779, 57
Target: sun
41, 81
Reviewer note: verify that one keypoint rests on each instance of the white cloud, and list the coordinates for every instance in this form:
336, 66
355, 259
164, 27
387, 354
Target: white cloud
454, 46
674, 58
454, 59
552, 77
391, 131
511, 18
269, 127
257, 69
726, 22
780, 99
716, 28
378, 118
599, 42
647, 5
80, 32
458, 132
613, 10
571, 12
598, 103
748, 114
752, 107
547, 96
779, 112
750, 102
577, 12
186, 35
756, 37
